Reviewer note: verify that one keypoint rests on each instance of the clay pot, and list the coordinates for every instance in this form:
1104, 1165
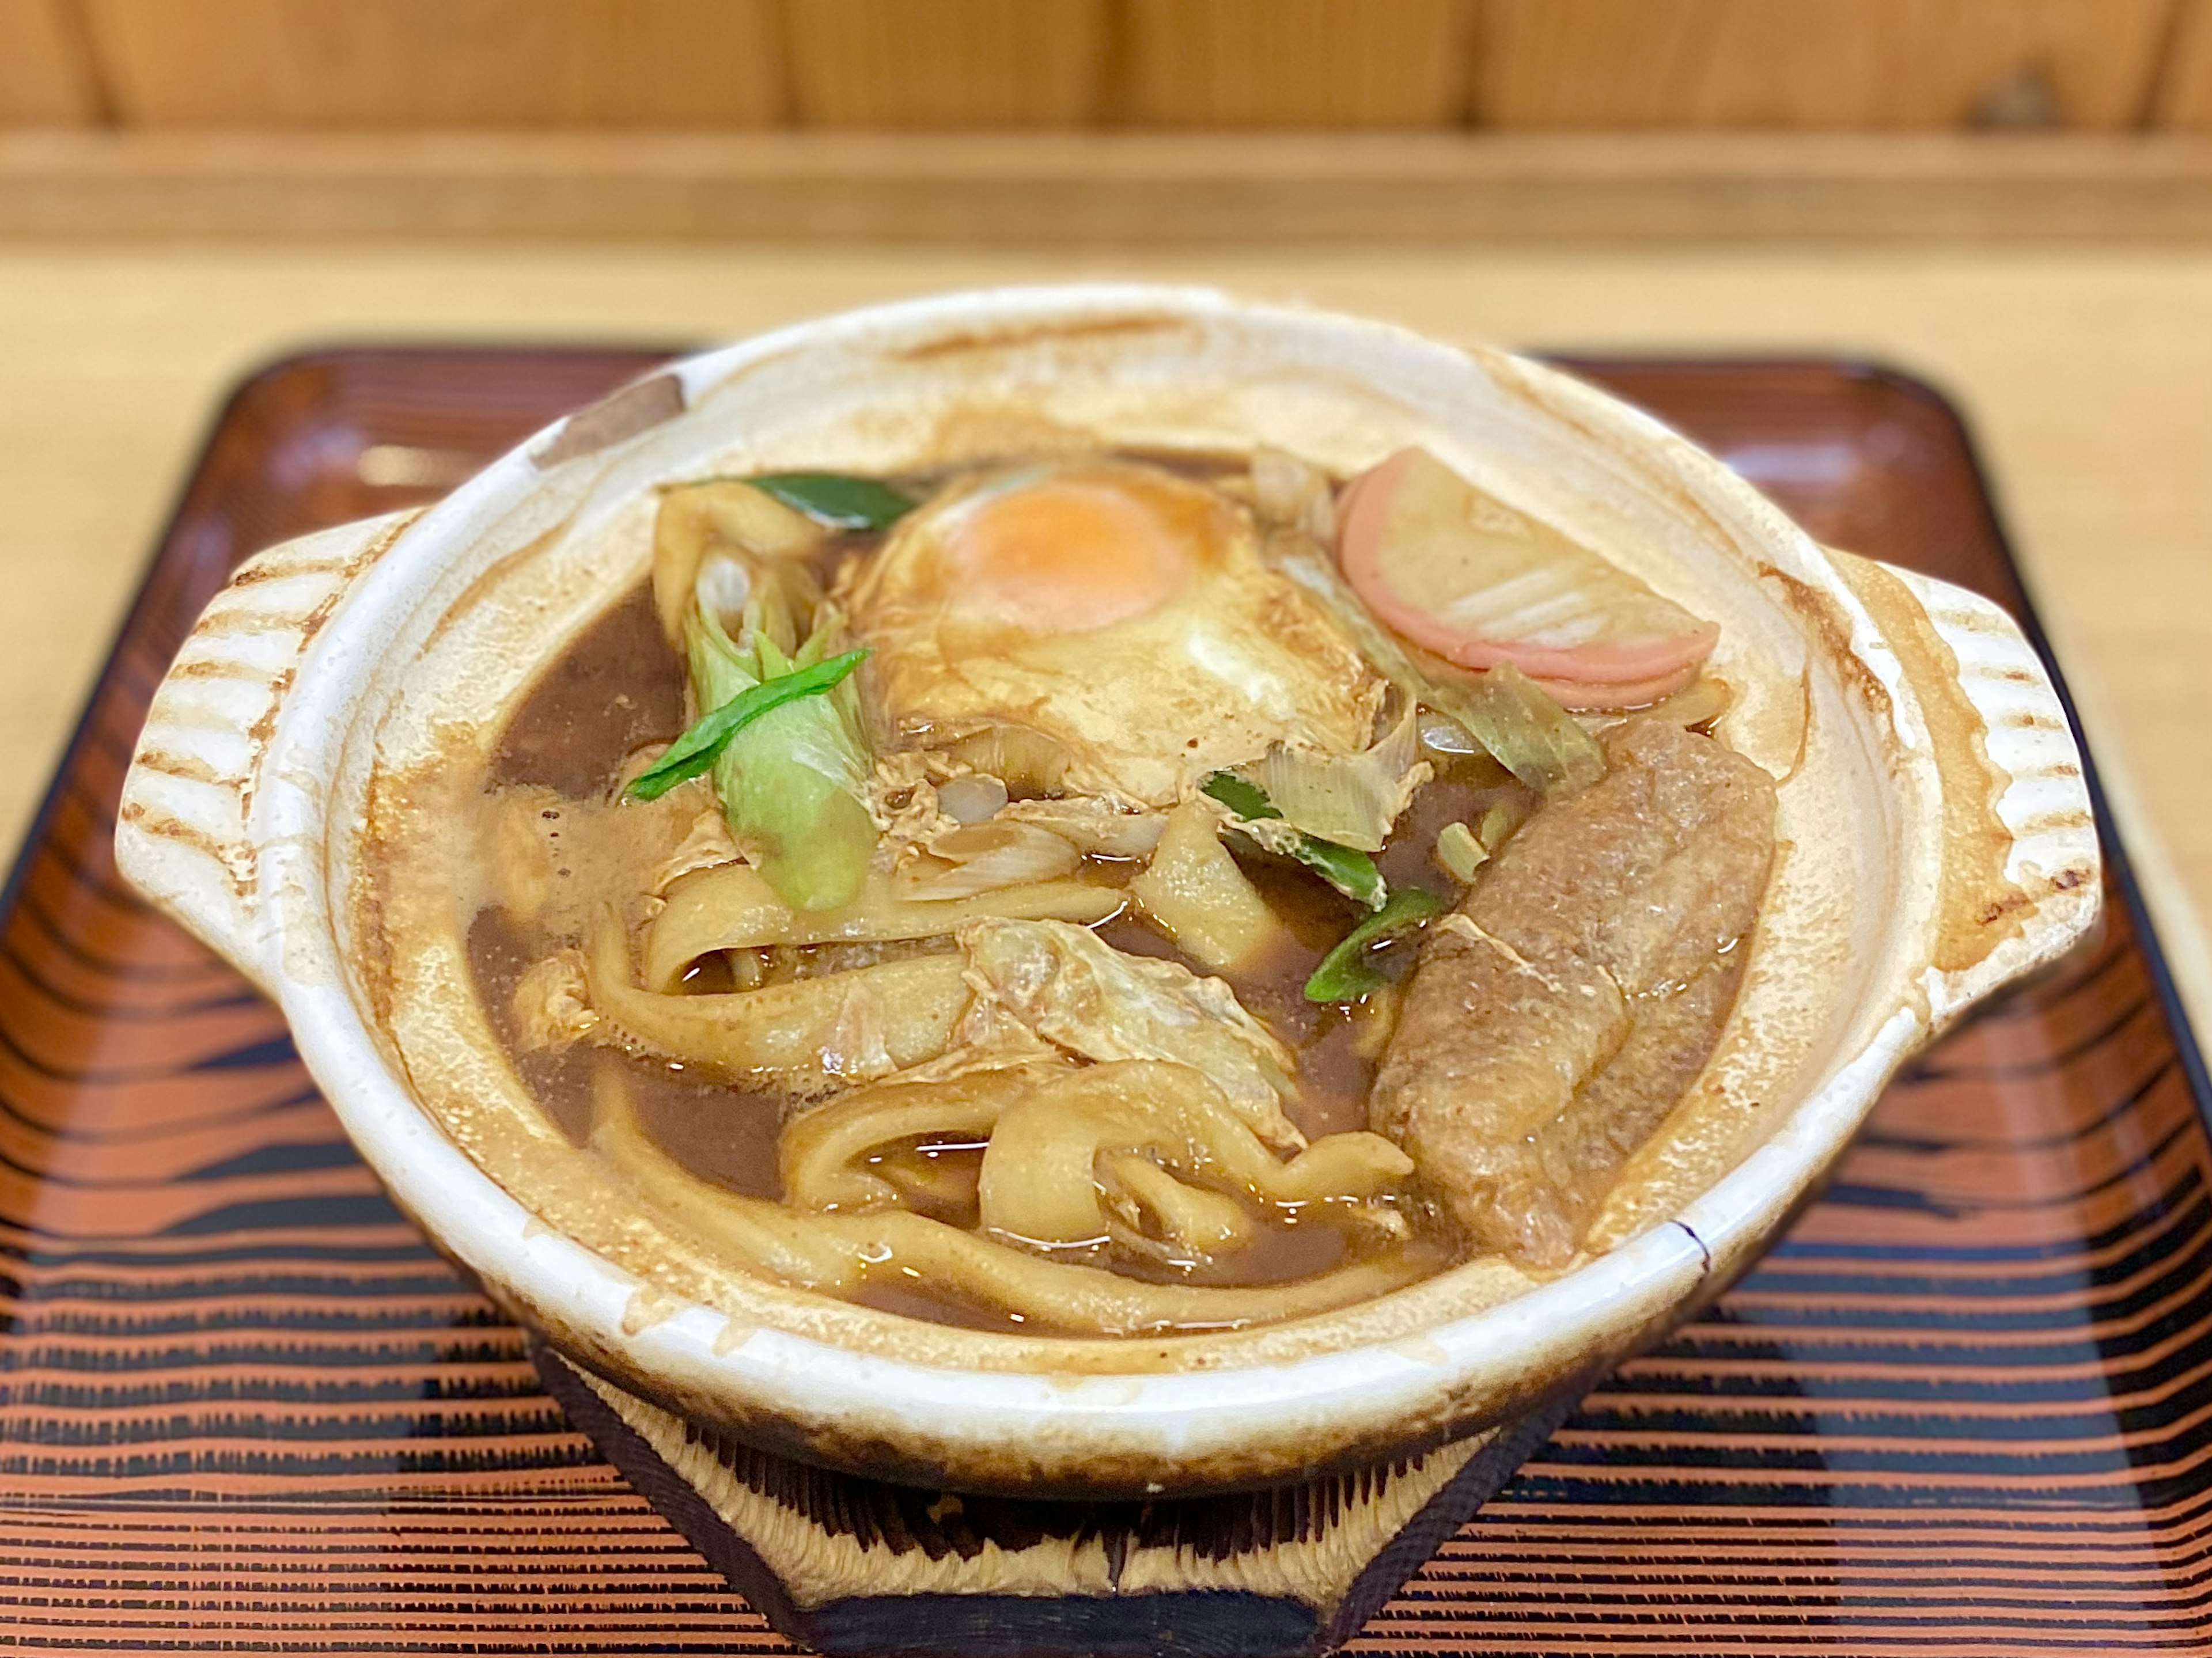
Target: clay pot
1936, 822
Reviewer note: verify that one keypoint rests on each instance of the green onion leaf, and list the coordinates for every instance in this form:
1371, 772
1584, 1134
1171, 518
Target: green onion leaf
1348, 972
1529, 733
841, 502
696, 750
1245, 800
1461, 853
1348, 868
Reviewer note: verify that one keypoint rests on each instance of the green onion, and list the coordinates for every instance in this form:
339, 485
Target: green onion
1497, 826
1245, 800
1348, 868
1529, 733
695, 752
1350, 871
836, 499
1348, 972
1460, 852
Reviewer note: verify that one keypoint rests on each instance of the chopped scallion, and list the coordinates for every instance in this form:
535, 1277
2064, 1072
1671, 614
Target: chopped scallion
1348, 868
1530, 734
1245, 800
695, 752
1497, 826
1460, 852
1348, 972
837, 499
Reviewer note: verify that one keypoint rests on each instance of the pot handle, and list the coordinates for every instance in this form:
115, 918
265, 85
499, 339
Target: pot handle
2023, 876
185, 833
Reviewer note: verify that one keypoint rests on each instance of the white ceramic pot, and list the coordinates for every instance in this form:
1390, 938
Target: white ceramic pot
1937, 842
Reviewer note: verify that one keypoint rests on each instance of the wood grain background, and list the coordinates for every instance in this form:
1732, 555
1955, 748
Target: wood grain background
947, 64
45, 71
438, 63
2084, 66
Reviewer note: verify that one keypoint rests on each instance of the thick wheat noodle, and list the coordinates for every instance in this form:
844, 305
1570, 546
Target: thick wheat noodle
816, 1153
839, 1253
1039, 1179
1188, 1218
865, 1022
731, 907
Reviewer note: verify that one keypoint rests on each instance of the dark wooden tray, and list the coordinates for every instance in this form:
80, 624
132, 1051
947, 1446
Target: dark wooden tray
1965, 1408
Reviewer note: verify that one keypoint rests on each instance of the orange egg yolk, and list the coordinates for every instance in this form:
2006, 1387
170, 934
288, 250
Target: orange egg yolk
1070, 554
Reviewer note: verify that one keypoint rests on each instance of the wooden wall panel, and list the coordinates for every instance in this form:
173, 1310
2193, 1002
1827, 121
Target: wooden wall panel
1293, 62
1805, 65
946, 63
43, 77
440, 63
1837, 64
2184, 94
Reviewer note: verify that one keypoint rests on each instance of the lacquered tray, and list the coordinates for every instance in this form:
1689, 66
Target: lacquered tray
1966, 1408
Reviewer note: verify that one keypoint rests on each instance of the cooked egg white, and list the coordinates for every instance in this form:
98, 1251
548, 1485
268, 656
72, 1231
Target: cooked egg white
1123, 611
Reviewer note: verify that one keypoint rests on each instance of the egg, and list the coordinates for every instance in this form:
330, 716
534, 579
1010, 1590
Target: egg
1119, 611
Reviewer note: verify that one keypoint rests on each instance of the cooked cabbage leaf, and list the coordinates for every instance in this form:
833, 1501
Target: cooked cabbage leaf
1066, 984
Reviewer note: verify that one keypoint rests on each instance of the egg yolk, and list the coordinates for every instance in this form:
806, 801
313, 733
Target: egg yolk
1068, 555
